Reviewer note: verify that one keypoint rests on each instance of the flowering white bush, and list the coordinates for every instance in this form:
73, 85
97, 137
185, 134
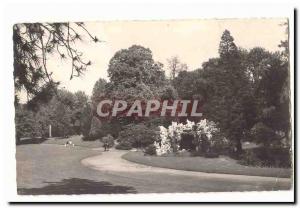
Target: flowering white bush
164, 145
175, 130
203, 129
207, 128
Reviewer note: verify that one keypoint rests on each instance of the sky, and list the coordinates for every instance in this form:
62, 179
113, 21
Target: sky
193, 41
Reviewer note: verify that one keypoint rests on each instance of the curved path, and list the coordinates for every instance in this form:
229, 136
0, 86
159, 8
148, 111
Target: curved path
147, 179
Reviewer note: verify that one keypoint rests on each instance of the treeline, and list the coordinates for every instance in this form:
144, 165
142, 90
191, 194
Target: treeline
66, 112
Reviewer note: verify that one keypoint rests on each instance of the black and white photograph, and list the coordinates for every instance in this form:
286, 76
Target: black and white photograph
161, 106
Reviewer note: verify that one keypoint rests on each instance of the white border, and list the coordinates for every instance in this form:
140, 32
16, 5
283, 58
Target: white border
114, 10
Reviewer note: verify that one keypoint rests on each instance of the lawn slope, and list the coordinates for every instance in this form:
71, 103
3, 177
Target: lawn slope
209, 165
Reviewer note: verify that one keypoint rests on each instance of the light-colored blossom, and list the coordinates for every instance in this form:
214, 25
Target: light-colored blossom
173, 134
164, 145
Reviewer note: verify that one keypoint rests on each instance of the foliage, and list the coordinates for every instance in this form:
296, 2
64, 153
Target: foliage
95, 130
137, 135
227, 47
204, 134
86, 120
226, 104
57, 113
135, 75
175, 66
63, 112
190, 83
124, 145
98, 93
108, 139
260, 133
207, 138
34, 43
163, 145
150, 150
267, 157
26, 125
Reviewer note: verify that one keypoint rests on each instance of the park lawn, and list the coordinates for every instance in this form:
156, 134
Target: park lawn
76, 140
222, 164
55, 169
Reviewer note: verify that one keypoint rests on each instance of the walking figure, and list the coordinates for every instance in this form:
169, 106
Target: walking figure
106, 146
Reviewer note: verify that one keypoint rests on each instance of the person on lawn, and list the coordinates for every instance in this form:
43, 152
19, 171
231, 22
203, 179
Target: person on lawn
106, 146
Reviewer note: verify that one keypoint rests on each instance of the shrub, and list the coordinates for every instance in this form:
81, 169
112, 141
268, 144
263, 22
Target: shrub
261, 133
163, 143
202, 136
112, 127
267, 157
109, 139
125, 145
150, 150
95, 132
137, 135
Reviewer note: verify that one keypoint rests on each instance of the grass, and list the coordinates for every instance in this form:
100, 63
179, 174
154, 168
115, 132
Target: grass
55, 169
76, 140
209, 165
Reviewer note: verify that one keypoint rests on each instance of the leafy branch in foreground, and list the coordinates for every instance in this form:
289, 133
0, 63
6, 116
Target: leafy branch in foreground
34, 42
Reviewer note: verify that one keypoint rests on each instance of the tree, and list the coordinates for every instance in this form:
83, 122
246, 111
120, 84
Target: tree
86, 120
230, 97
269, 88
24, 121
81, 112
35, 42
263, 134
99, 91
175, 66
227, 47
133, 66
60, 112
135, 75
191, 83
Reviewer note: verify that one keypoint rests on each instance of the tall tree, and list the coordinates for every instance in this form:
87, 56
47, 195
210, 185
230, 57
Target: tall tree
227, 103
269, 88
135, 75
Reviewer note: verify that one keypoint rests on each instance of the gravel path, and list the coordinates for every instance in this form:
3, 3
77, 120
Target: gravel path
153, 179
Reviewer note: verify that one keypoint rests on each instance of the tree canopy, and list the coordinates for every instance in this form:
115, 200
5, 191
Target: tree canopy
135, 75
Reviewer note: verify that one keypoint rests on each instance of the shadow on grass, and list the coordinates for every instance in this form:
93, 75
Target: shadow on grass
77, 186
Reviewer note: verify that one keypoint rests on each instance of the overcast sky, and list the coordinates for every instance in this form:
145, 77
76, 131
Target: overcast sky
193, 41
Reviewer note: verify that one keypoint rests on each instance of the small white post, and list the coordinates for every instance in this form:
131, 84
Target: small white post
50, 133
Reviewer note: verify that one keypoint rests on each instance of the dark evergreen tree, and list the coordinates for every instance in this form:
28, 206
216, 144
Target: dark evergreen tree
230, 97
